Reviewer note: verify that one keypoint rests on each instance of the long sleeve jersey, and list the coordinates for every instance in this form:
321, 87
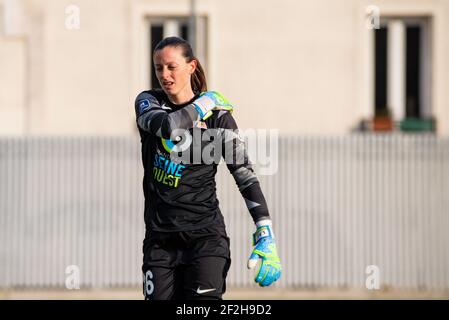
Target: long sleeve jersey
180, 155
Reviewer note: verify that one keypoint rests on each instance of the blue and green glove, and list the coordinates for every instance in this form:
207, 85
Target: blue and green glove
209, 101
265, 249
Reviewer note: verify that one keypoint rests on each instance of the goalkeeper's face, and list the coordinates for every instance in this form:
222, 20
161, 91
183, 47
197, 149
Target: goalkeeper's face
173, 71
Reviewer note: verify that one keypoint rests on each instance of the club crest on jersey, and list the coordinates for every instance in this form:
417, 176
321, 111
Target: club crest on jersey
167, 144
200, 124
183, 142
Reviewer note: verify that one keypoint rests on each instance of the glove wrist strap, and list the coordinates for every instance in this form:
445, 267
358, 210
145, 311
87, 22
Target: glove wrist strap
261, 233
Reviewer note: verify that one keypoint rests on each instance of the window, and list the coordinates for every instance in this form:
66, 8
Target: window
403, 72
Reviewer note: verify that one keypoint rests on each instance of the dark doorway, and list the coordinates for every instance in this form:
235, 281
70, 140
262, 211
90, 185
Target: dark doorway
413, 75
381, 38
157, 32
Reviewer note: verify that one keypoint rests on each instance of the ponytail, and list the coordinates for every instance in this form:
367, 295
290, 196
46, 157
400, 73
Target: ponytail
198, 80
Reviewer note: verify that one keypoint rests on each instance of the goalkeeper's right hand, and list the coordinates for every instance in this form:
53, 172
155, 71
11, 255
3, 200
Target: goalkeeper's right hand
211, 100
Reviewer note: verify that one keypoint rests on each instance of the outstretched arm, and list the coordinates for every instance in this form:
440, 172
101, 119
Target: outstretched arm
240, 167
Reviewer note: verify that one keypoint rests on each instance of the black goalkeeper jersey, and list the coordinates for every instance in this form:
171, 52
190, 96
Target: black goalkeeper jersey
179, 173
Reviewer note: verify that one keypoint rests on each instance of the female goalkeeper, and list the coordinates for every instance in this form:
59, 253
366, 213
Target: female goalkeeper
186, 249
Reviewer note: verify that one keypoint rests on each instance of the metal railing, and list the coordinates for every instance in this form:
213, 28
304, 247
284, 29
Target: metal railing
339, 204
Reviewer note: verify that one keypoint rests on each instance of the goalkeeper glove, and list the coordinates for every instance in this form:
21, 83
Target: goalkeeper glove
265, 249
211, 100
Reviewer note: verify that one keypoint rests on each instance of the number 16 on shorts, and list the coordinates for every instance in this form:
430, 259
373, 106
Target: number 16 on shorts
148, 285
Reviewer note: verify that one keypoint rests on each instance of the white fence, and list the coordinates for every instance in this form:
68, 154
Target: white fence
339, 204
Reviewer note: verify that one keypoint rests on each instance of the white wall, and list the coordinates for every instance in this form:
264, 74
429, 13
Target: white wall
298, 66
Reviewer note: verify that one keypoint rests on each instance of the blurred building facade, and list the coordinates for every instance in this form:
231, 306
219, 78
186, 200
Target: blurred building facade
74, 67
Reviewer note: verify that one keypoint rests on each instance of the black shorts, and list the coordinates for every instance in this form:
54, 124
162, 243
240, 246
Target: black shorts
186, 265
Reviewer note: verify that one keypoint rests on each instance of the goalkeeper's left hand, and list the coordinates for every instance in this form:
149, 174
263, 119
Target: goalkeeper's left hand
211, 100
265, 249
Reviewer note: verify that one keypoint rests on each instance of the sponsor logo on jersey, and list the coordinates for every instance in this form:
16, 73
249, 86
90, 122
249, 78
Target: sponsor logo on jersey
166, 171
201, 291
